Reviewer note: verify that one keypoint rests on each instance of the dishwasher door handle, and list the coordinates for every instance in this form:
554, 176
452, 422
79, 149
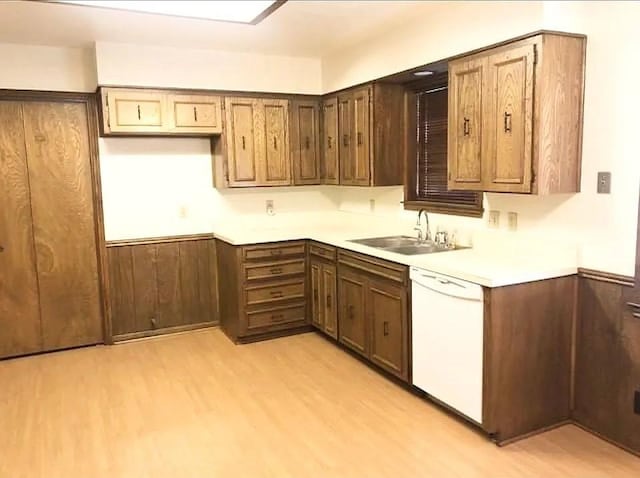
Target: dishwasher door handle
451, 288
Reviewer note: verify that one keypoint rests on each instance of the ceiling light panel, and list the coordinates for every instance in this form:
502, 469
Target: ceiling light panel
245, 11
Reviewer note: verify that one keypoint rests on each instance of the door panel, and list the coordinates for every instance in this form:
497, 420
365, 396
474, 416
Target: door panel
241, 144
465, 124
276, 166
195, 114
388, 316
361, 143
510, 120
57, 143
19, 305
169, 311
132, 112
305, 151
330, 306
317, 310
330, 142
345, 151
352, 317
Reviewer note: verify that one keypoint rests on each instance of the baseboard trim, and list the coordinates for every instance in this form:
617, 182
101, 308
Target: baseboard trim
158, 240
607, 439
164, 331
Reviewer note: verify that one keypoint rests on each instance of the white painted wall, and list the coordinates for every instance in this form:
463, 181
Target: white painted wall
36, 67
603, 226
136, 65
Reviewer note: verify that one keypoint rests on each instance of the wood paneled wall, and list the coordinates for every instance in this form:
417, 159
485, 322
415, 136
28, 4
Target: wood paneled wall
607, 372
160, 285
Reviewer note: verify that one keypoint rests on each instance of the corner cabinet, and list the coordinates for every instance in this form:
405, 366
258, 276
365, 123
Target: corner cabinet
515, 117
363, 136
373, 317
257, 142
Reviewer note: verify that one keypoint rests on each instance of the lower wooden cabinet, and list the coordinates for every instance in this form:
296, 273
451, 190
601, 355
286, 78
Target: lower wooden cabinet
161, 285
373, 318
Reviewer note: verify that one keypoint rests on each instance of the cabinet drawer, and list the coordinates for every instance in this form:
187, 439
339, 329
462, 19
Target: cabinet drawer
276, 316
322, 250
273, 251
274, 269
377, 267
275, 293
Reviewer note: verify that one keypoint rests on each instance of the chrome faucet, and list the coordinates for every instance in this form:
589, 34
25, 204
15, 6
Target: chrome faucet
427, 234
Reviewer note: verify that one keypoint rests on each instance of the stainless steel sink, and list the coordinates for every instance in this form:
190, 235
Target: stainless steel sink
406, 245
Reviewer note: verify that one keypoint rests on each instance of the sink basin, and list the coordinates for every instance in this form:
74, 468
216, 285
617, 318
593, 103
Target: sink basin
406, 245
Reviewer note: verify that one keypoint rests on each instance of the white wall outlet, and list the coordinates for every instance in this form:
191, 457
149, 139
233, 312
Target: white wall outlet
512, 221
372, 205
270, 207
183, 212
494, 219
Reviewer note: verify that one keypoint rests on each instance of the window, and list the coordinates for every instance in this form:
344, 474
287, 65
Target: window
426, 185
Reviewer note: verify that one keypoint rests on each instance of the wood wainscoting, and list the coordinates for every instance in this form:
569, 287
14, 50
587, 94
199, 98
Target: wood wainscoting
161, 285
607, 360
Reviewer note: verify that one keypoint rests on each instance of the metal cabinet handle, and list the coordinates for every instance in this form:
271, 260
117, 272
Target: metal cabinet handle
507, 122
139, 113
351, 311
329, 301
385, 328
276, 252
306, 142
277, 317
466, 129
1, 248
345, 140
275, 143
329, 142
276, 293
359, 138
243, 143
316, 296
195, 114
276, 270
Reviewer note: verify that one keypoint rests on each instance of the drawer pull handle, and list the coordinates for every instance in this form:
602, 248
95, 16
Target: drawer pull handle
277, 317
276, 270
329, 301
385, 328
276, 293
276, 252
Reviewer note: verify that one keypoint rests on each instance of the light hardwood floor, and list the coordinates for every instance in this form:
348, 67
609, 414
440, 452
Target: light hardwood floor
195, 405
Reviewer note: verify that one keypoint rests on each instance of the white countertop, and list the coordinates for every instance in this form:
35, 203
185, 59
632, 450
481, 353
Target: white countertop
493, 261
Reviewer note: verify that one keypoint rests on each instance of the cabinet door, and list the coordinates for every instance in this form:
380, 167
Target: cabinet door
197, 114
466, 79
317, 309
509, 120
389, 336
329, 306
361, 133
352, 324
345, 151
135, 112
241, 147
330, 140
276, 166
305, 150
19, 305
57, 144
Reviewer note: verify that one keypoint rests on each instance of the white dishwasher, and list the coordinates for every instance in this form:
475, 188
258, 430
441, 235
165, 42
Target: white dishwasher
447, 340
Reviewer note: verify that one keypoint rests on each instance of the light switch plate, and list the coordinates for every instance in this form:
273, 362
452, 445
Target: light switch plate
494, 219
512, 221
604, 182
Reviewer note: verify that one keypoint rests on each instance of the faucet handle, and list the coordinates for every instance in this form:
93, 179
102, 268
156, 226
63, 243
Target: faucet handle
419, 229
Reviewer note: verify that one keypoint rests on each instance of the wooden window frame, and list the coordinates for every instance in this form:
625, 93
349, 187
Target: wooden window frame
411, 202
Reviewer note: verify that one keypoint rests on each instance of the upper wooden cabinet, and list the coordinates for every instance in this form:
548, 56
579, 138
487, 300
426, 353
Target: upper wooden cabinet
515, 117
369, 124
257, 142
305, 134
195, 114
159, 112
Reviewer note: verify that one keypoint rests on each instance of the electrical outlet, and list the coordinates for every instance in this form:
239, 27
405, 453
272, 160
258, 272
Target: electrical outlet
512, 221
494, 219
372, 205
604, 182
183, 212
270, 207
636, 403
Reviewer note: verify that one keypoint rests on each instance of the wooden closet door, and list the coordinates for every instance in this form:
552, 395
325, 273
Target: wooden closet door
19, 306
509, 126
57, 143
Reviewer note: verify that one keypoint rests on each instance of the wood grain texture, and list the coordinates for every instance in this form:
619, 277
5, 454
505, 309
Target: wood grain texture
162, 286
345, 137
164, 407
608, 362
361, 137
330, 167
388, 133
242, 150
134, 111
305, 142
58, 156
194, 114
507, 145
230, 288
19, 297
465, 132
276, 165
559, 114
329, 299
352, 316
527, 358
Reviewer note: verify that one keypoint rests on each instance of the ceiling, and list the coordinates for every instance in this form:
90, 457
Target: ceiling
298, 28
